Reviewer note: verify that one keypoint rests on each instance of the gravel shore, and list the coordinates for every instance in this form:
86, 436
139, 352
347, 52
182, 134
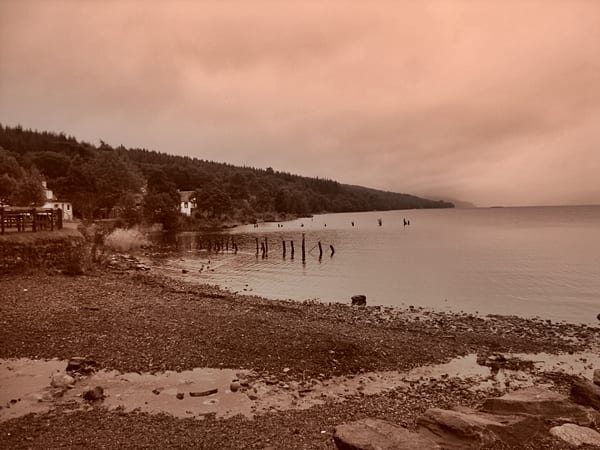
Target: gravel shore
137, 322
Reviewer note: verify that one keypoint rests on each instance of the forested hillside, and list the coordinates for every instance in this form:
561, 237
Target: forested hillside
100, 178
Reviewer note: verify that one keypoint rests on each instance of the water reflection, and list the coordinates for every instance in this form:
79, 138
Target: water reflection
524, 261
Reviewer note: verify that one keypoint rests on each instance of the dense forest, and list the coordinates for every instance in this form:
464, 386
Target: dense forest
138, 184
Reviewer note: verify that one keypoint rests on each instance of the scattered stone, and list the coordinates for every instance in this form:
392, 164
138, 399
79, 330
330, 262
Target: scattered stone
586, 393
157, 391
94, 394
184, 271
81, 365
204, 393
368, 434
179, 396
597, 377
360, 300
235, 386
252, 396
472, 429
62, 380
498, 361
576, 435
552, 406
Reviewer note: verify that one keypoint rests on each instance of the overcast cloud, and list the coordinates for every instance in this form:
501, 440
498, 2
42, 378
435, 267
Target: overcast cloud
494, 102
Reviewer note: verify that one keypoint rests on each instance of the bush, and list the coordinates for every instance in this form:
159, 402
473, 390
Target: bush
125, 240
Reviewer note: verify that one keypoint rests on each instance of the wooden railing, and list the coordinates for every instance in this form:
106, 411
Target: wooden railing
30, 219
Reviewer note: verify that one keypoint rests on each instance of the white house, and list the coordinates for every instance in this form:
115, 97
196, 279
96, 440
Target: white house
188, 203
52, 202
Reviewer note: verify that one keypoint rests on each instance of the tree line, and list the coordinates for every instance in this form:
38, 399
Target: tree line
142, 185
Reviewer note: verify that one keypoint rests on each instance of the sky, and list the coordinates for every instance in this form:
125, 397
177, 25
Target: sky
495, 102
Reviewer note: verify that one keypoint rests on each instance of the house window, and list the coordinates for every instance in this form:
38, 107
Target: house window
185, 205
68, 207
56, 205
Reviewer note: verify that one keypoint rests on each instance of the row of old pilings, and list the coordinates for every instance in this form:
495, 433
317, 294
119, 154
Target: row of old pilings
216, 245
264, 248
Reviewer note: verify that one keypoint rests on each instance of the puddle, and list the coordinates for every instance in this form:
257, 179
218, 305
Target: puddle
25, 386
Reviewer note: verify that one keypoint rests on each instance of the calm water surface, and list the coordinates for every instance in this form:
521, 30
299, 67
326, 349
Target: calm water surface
541, 261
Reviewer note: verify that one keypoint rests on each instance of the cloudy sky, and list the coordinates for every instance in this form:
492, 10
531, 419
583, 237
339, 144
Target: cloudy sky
493, 102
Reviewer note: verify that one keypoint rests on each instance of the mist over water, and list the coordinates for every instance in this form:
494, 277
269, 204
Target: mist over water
542, 261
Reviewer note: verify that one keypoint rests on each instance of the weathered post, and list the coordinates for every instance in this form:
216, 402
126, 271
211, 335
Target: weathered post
262, 248
283, 244
320, 251
292, 247
266, 246
332, 250
257, 246
303, 248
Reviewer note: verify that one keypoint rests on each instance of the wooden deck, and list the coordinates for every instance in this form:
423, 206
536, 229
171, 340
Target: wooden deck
19, 220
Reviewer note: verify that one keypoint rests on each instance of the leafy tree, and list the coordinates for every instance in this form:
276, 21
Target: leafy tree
28, 192
8, 186
161, 203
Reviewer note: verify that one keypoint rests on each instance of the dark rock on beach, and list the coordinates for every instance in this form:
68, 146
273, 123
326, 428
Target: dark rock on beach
359, 300
93, 395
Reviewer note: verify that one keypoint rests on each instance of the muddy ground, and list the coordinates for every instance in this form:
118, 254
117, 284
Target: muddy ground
137, 322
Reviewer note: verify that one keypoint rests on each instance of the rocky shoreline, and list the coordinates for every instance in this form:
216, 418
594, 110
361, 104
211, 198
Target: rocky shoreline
133, 321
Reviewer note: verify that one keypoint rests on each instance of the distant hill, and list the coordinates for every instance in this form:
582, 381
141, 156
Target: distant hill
97, 178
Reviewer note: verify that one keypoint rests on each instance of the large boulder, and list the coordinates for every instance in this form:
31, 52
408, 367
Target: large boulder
586, 393
553, 407
375, 434
575, 435
469, 429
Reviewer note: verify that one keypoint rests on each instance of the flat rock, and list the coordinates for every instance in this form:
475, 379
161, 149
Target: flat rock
551, 406
375, 434
469, 429
576, 435
586, 393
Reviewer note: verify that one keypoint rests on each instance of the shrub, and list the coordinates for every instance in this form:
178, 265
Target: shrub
125, 240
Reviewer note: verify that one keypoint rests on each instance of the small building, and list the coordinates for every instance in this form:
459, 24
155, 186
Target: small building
188, 202
50, 201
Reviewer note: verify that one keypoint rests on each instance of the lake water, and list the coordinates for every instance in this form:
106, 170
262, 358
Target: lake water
538, 261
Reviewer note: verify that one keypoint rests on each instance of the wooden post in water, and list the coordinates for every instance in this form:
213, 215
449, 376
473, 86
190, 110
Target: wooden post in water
303, 248
257, 246
262, 248
332, 250
292, 247
320, 251
266, 246
283, 244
